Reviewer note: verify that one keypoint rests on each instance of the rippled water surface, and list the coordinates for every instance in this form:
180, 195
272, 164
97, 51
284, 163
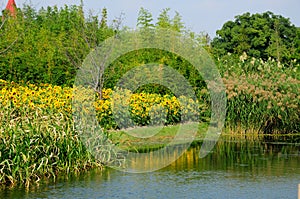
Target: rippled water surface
232, 170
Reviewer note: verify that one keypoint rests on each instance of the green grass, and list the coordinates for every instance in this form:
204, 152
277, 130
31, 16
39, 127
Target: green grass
136, 139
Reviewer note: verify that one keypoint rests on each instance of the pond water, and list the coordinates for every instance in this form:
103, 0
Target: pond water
233, 170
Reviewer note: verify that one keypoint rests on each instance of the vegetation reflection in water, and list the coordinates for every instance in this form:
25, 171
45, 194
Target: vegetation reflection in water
253, 156
248, 164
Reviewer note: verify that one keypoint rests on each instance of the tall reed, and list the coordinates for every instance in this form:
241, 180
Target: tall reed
36, 144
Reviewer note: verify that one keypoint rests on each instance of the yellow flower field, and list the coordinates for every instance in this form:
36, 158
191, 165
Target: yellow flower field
142, 106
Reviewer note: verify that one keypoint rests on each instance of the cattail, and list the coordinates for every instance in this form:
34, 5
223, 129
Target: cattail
279, 104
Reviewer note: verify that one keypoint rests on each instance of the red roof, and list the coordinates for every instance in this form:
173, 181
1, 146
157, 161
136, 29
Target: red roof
11, 7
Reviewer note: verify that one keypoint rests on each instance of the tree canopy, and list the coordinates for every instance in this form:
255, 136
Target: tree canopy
258, 35
48, 45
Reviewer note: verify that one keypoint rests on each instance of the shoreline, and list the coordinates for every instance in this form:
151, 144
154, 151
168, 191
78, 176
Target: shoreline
166, 135
85, 161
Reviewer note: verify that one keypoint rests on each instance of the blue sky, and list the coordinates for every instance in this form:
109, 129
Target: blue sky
198, 15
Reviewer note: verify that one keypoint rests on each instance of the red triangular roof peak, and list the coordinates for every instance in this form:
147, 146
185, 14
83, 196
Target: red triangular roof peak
11, 7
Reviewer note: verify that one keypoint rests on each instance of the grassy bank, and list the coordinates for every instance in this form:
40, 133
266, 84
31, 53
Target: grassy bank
142, 139
137, 140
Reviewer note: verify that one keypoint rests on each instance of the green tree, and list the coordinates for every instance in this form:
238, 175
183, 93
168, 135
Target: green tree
259, 35
163, 20
177, 23
50, 44
103, 22
166, 22
145, 19
297, 45
5, 45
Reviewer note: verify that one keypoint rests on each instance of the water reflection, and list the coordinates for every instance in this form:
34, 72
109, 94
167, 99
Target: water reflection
232, 170
256, 156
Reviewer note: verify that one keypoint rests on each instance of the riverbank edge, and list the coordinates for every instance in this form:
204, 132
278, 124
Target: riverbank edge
141, 145
125, 141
